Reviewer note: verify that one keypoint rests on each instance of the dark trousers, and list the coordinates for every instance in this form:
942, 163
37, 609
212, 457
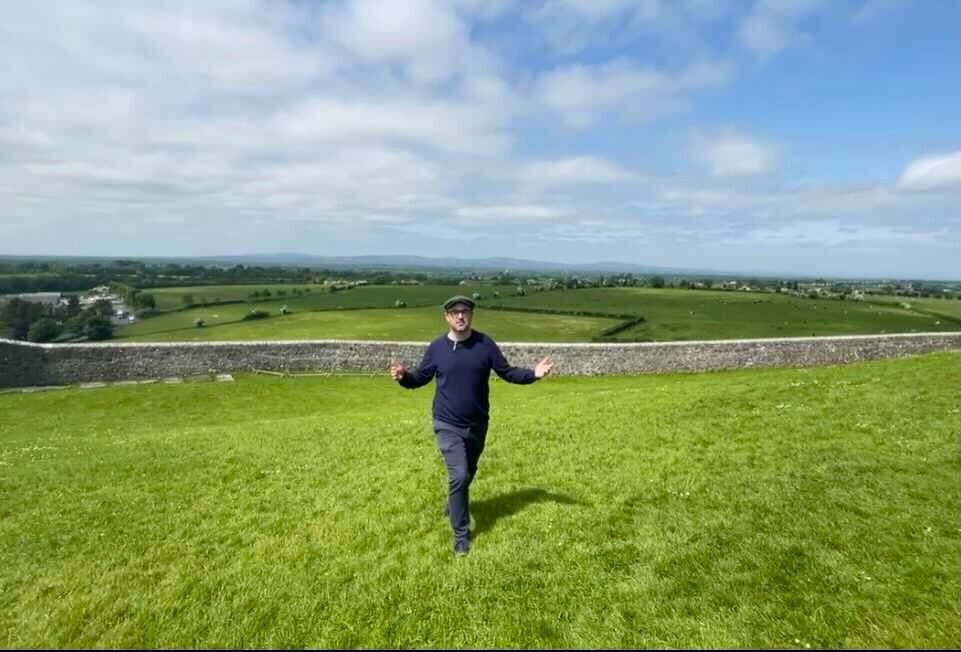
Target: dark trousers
461, 448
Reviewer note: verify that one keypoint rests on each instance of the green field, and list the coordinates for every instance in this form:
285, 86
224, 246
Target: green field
778, 508
172, 297
948, 308
669, 315
393, 324
317, 297
714, 315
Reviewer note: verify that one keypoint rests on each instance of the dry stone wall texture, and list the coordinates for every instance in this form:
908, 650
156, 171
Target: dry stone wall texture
24, 364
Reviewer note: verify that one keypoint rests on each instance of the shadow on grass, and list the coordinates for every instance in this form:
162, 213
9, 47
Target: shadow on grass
487, 512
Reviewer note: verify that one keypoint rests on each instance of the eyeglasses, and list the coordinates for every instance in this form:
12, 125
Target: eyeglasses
460, 311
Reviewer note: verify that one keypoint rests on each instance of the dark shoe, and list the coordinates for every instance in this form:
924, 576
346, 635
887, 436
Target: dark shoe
461, 547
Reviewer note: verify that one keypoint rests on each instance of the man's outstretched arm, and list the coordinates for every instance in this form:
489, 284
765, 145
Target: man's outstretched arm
519, 375
412, 379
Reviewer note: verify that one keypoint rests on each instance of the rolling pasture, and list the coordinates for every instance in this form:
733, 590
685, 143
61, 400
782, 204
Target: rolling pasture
779, 508
948, 308
712, 315
669, 315
315, 296
224, 322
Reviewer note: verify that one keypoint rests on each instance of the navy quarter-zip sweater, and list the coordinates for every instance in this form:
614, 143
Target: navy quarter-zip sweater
463, 370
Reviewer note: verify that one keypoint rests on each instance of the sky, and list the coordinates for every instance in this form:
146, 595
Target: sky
803, 137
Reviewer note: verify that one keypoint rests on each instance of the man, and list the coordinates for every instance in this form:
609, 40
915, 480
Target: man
462, 361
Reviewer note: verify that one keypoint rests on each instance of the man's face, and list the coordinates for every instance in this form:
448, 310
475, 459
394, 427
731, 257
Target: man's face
458, 318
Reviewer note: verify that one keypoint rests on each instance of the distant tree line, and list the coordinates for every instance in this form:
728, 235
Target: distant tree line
37, 322
67, 282
18, 277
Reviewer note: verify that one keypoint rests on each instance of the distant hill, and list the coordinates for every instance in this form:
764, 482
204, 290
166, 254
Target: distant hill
465, 264
426, 263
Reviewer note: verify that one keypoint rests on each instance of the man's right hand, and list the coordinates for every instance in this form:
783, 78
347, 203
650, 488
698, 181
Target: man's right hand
397, 370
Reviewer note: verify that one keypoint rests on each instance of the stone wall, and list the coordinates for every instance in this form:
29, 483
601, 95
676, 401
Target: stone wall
24, 364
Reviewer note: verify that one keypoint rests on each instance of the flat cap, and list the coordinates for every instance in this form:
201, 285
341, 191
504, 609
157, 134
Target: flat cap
453, 301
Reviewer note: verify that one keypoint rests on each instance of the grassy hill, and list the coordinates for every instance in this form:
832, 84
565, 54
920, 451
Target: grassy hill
776, 508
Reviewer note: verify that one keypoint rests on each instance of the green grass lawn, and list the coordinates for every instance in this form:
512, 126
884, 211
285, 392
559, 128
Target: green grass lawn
745, 509
714, 315
394, 324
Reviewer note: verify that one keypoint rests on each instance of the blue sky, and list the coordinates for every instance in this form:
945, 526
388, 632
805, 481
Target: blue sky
807, 137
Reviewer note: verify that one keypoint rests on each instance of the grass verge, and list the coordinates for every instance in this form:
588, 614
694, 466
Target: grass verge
766, 508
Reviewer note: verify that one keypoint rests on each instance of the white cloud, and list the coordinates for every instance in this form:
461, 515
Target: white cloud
668, 29
765, 36
730, 154
775, 25
443, 124
575, 170
24, 136
428, 37
579, 92
738, 215
514, 213
942, 171
175, 48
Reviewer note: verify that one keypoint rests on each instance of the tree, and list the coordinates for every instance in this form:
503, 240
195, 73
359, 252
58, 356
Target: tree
99, 328
43, 330
144, 300
102, 308
657, 281
20, 315
75, 324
